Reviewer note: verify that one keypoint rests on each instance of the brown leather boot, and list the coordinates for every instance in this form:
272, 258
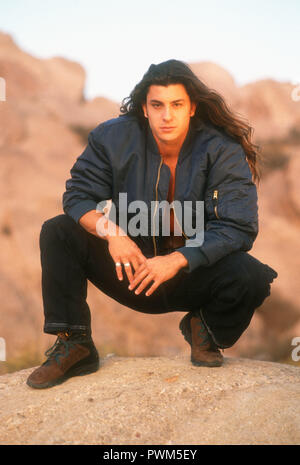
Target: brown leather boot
71, 355
204, 351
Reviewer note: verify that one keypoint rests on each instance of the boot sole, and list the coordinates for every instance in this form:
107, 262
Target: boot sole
206, 364
79, 371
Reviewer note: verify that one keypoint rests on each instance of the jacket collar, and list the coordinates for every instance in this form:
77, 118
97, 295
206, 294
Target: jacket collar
195, 127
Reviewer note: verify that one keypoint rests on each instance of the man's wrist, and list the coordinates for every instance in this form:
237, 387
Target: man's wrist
107, 229
181, 261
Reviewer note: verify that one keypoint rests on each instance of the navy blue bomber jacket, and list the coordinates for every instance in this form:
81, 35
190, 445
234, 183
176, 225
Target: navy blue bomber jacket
122, 156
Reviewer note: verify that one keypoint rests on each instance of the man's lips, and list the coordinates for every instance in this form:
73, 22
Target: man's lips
167, 128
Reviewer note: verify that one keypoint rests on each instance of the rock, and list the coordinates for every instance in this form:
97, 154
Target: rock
31, 77
269, 107
157, 400
217, 78
293, 183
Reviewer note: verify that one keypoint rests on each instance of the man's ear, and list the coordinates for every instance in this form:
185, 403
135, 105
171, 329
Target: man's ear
193, 108
144, 106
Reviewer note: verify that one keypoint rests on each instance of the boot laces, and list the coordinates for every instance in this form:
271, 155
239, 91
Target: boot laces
60, 348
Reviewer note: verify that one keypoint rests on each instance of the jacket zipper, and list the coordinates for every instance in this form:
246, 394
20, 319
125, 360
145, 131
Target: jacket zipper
182, 231
155, 210
215, 203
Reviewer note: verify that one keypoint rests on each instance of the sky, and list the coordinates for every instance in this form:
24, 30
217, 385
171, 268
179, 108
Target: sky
117, 40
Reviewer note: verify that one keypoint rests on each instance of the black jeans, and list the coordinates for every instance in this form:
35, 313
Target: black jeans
226, 293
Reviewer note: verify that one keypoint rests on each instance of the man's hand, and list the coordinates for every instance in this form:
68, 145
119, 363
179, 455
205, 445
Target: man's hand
125, 252
158, 269
121, 247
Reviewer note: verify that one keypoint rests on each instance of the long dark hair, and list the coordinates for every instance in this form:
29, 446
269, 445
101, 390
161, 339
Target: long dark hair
211, 106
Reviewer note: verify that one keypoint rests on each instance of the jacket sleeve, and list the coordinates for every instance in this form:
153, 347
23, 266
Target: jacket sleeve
90, 182
230, 210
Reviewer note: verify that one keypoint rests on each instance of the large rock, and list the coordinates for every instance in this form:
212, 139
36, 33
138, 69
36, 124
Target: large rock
29, 76
52, 87
157, 400
218, 79
269, 107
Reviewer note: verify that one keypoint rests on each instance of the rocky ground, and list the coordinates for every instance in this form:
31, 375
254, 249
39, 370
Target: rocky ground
156, 400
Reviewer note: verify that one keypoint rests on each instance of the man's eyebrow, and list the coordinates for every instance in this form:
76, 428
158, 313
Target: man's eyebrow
173, 101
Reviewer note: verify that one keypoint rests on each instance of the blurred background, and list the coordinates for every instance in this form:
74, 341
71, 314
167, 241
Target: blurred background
65, 67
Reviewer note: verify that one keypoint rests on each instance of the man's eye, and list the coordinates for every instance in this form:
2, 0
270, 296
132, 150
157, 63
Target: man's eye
178, 104
155, 105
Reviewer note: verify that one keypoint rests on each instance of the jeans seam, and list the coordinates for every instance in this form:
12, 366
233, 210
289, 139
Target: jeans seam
221, 346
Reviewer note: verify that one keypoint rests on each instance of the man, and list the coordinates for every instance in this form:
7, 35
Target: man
176, 140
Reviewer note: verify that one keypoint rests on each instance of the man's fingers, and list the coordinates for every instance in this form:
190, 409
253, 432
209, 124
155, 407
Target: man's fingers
126, 263
128, 270
141, 258
118, 265
138, 277
144, 283
152, 288
140, 269
135, 263
119, 269
136, 260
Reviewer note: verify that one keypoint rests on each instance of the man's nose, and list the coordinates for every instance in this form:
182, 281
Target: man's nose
167, 114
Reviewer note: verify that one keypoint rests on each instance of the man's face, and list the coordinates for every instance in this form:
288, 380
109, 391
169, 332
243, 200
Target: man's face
169, 109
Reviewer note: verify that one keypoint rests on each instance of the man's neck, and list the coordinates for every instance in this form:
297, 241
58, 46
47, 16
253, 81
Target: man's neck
169, 151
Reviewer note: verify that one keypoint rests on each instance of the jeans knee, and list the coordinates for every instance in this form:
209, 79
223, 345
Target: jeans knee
251, 278
242, 276
50, 226
59, 220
